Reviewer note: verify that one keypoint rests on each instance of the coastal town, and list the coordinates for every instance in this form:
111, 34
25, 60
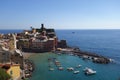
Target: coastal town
14, 48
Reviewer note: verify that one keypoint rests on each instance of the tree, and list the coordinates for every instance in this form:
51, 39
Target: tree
4, 75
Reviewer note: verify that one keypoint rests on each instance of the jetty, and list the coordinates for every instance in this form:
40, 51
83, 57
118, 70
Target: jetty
92, 56
96, 58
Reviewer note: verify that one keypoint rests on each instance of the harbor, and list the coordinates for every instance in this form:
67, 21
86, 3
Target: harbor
72, 68
53, 61
43, 40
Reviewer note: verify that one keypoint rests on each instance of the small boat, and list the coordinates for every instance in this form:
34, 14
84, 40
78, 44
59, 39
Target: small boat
76, 72
51, 69
58, 65
73, 32
78, 66
60, 68
57, 61
70, 69
85, 57
89, 71
71, 54
59, 53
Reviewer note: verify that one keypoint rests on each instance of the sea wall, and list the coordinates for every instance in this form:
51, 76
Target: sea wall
93, 56
96, 58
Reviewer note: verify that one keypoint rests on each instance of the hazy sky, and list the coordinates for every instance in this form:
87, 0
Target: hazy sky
60, 14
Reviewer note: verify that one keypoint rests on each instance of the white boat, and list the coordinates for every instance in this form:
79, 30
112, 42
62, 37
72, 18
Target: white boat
57, 61
60, 68
51, 69
76, 72
70, 69
59, 53
89, 71
78, 66
71, 54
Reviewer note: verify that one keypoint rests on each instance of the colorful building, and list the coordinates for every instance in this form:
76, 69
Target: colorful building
12, 69
38, 40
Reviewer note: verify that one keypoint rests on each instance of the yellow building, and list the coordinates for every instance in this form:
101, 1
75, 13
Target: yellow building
13, 70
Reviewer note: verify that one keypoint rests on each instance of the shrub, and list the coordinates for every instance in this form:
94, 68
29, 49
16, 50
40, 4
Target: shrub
4, 75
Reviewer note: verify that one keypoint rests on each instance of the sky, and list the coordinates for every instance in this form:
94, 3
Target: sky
60, 14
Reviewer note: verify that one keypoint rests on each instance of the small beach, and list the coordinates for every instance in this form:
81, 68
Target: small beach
26, 55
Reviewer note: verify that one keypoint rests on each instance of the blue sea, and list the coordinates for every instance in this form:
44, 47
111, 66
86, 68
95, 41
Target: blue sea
103, 42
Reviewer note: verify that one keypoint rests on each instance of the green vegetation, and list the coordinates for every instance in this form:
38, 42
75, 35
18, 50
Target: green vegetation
4, 75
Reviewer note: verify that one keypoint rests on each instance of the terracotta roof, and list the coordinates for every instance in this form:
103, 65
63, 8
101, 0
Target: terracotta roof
7, 66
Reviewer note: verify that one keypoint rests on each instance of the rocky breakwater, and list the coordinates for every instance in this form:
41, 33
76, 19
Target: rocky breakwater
96, 58
92, 56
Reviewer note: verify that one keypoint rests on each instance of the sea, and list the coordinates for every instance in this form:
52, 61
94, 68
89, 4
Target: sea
102, 42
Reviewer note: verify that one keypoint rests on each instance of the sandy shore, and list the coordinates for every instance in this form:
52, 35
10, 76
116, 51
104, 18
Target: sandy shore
26, 55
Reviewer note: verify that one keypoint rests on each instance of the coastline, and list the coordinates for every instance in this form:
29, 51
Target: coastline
106, 50
29, 65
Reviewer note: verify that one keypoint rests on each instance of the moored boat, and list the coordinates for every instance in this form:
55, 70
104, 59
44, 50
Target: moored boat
76, 72
89, 71
78, 66
51, 69
60, 68
70, 69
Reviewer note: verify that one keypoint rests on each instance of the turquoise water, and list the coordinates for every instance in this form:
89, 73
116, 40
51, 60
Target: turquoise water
104, 71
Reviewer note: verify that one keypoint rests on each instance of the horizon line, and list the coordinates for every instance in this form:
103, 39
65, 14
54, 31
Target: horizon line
70, 29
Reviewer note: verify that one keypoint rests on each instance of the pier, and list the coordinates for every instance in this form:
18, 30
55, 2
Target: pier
96, 58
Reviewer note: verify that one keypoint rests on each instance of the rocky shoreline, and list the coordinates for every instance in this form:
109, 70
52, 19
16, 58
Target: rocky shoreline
29, 66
